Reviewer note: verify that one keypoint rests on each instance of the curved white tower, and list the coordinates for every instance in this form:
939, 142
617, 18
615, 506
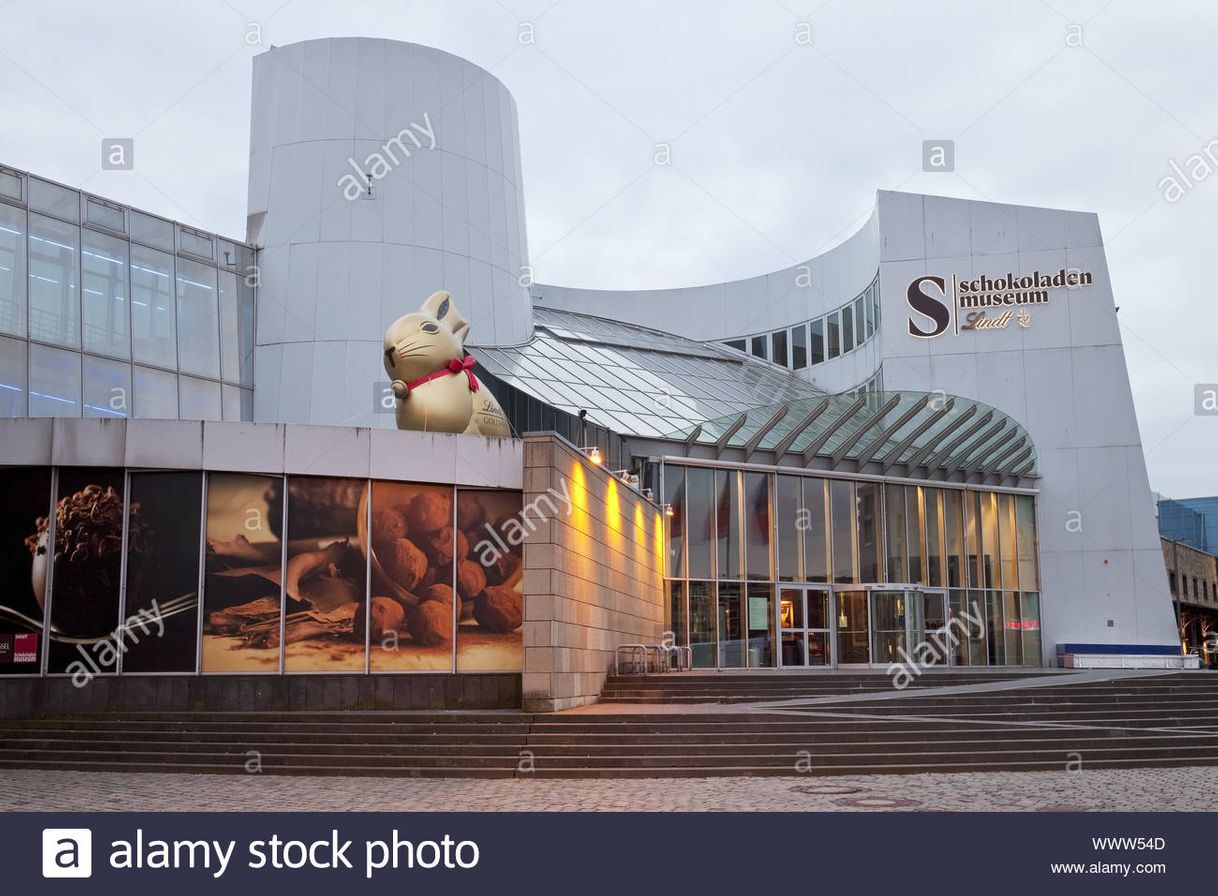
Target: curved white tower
380, 171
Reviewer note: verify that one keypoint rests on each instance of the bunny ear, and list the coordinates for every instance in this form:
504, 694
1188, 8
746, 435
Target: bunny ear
440, 306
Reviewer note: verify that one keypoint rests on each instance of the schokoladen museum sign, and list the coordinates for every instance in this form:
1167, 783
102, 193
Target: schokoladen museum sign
984, 303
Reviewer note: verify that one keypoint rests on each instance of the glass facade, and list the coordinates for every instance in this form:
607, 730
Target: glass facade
798, 569
116, 313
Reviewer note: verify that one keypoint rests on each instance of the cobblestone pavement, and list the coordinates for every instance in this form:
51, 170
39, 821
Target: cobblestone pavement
1167, 789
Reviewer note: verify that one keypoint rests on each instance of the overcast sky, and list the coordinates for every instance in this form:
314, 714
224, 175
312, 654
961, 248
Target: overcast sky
778, 146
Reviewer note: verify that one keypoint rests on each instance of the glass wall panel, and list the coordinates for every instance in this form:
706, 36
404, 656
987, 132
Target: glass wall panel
979, 641
105, 214
778, 347
11, 184
154, 231
12, 270
972, 538
325, 588
847, 329
674, 497
242, 598
156, 394
731, 626
958, 626
23, 566
230, 326
87, 570
871, 548
757, 345
895, 530
106, 329
787, 507
1012, 628
153, 311
230, 397
761, 627
54, 267
799, 347
815, 527
1006, 536
701, 526
933, 515
489, 627
834, 333
107, 388
859, 325
727, 524
757, 527
163, 572
54, 382
996, 628
13, 379
703, 641
198, 319
198, 399
953, 536
53, 199
245, 331
914, 521
1025, 541
845, 555
816, 341
678, 614
989, 539
1030, 616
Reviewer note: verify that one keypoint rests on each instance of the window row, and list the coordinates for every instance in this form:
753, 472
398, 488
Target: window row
159, 571
41, 381
72, 286
733, 524
815, 341
76, 207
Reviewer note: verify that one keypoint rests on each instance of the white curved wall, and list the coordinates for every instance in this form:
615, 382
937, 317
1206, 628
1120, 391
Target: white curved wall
336, 272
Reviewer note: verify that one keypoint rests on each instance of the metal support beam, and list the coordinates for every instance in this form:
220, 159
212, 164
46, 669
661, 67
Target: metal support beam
789, 439
819, 442
871, 421
995, 466
934, 459
930, 446
751, 445
729, 432
961, 457
889, 431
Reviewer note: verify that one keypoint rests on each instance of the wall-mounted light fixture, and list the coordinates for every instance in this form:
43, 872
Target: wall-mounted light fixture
667, 509
593, 454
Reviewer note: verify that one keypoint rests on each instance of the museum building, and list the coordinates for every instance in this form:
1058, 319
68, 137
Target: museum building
228, 461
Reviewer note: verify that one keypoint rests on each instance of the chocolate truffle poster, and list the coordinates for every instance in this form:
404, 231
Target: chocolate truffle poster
24, 555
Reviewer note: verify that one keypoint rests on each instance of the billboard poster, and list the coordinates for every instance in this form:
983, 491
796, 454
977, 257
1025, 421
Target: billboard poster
242, 587
24, 556
490, 581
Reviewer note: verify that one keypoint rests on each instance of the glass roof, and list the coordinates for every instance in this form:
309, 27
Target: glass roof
915, 429
633, 380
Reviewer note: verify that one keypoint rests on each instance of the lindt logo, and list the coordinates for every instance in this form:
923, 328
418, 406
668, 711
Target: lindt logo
964, 304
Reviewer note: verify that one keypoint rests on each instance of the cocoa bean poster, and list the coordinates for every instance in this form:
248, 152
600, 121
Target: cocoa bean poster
490, 580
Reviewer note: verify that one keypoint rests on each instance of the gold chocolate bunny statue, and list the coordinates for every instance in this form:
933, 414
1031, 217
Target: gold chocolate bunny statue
432, 377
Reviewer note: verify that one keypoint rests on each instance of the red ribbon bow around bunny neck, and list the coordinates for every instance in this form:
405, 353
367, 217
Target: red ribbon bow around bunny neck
456, 365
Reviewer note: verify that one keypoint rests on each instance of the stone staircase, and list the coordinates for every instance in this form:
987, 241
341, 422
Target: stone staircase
819, 725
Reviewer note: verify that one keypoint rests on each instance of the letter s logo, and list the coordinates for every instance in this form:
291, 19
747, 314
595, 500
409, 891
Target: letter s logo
929, 306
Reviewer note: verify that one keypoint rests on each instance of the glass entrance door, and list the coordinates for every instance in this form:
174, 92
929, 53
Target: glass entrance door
852, 628
890, 621
929, 627
804, 627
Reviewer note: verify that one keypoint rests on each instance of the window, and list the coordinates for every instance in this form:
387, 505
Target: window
859, 326
847, 330
195, 243
107, 388
54, 382
835, 335
105, 214
778, 346
10, 184
230, 325
869, 310
156, 394
757, 346
12, 270
198, 399
799, 347
841, 513
103, 261
738, 344
53, 272
54, 200
198, 319
816, 343
153, 312
154, 231
12, 377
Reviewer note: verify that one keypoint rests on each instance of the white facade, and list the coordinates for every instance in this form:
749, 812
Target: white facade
437, 136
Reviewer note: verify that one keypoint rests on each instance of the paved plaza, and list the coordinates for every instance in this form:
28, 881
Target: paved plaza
1164, 789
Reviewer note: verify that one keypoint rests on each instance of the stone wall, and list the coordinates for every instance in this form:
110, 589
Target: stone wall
593, 574
1188, 563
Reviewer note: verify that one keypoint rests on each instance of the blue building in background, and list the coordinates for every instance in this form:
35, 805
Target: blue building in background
1192, 521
